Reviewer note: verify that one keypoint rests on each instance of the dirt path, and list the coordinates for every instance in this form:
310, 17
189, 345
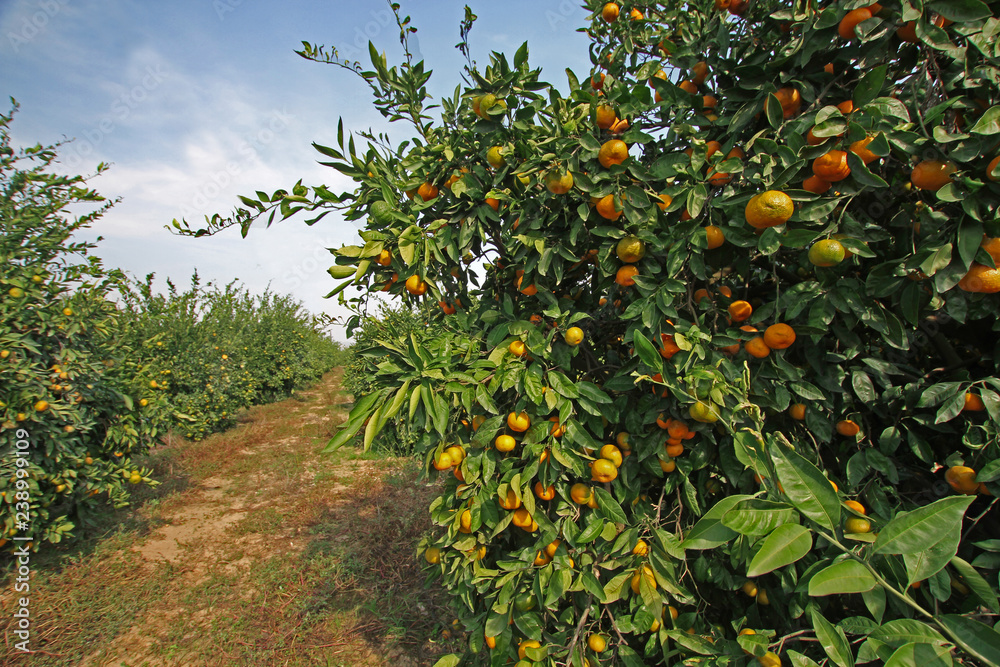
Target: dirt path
259, 551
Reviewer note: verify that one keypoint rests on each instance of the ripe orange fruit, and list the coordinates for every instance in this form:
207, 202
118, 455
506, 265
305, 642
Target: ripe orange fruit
597, 82
816, 185
860, 148
668, 466
493, 203
769, 659
756, 347
740, 311
505, 443
674, 449
665, 201
626, 275
544, 493
610, 12
606, 117
518, 423
603, 471
981, 279
973, 403
644, 572
992, 248
527, 290
717, 178
614, 151
521, 518
832, 166
635, 15
962, 479
790, 99
856, 506
597, 643
779, 336
990, 167
797, 411
558, 430
443, 461
611, 453
827, 253
427, 191
851, 20
558, 183
510, 501
465, 522
699, 72
688, 87
769, 209
416, 286
607, 209
932, 174
580, 493
574, 336
848, 428
517, 348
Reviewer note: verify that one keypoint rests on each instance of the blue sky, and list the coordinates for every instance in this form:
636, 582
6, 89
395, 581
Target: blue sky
196, 101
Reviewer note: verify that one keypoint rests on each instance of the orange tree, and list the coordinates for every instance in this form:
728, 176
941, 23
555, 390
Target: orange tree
728, 392
69, 387
217, 350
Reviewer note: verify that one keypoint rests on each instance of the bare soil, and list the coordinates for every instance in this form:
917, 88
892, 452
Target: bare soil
257, 550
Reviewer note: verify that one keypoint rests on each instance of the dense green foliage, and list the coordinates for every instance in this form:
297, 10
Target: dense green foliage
67, 374
95, 369
216, 350
741, 462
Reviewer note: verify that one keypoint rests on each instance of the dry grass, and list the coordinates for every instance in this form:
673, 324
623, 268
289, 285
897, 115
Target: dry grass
278, 556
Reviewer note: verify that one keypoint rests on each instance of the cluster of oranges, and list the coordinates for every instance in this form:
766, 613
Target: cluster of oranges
677, 433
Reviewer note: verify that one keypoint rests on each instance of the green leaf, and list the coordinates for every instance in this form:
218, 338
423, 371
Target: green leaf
925, 655
759, 517
961, 11
978, 639
710, 532
833, 640
848, 576
562, 385
450, 660
869, 86
608, 507
786, 545
988, 123
799, 660
930, 560
904, 630
806, 486
911, 532
647, 352
979, 586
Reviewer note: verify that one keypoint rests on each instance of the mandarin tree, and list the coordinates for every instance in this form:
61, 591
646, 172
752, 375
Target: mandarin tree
70, 386
832, 173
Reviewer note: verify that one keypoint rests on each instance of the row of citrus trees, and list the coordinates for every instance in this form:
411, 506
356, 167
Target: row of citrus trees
95, 368
728, 389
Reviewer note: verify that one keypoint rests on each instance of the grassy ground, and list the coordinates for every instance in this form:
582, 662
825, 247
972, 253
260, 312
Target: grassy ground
255, 550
